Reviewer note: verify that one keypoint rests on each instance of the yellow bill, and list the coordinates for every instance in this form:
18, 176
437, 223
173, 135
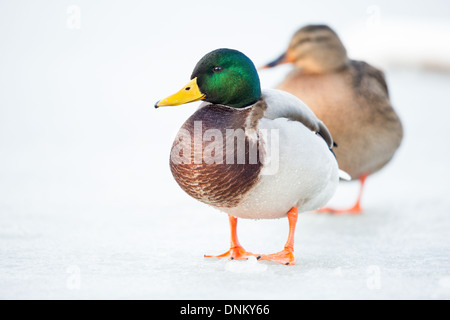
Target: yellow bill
189, 93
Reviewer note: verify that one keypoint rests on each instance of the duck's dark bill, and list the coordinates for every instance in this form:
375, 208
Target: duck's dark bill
280, 60
189, 93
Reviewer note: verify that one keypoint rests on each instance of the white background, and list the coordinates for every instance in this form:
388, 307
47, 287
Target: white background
88, 206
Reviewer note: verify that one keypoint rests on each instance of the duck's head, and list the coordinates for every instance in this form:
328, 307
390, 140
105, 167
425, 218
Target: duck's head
223, 76
314, 49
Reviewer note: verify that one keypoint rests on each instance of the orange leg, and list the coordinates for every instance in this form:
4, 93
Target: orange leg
356, 209
285, 256
236, 250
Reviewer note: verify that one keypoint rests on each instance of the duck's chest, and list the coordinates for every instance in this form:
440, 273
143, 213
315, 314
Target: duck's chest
323, 93
216, 157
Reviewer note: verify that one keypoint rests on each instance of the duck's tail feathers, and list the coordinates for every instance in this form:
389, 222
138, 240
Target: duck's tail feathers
344, 175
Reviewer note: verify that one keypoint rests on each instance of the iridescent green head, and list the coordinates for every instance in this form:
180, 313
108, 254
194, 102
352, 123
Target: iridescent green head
223, 76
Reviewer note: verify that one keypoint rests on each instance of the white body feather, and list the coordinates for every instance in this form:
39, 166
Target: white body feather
307, 175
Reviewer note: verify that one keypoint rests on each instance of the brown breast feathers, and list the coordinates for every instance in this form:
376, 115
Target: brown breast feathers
213, 159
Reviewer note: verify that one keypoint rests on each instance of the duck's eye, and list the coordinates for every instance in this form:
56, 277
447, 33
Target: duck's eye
217, 69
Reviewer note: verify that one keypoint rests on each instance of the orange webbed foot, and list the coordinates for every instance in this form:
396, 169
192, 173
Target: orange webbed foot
356, 210
285, 257
235, 253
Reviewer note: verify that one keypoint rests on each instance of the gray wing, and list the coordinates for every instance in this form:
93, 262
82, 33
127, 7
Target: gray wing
281, 104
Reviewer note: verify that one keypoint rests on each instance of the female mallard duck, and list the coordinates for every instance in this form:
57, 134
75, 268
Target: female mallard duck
350, 97
295, 170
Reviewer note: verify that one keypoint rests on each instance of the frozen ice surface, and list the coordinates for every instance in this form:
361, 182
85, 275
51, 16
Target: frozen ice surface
88, 206
245, 266
58, 242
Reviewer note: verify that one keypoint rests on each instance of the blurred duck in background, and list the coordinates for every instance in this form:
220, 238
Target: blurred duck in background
351, 97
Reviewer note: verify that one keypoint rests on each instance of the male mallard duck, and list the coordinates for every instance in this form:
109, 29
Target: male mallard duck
295, 171
350, 97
